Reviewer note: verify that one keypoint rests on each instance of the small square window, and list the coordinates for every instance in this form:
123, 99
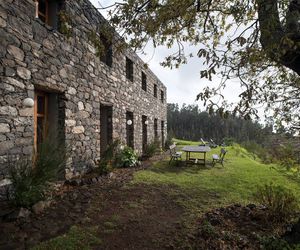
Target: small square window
144, 81
155, 91
129, 69
48, 11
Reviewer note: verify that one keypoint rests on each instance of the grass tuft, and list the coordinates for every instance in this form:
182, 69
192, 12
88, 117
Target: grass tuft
77, 238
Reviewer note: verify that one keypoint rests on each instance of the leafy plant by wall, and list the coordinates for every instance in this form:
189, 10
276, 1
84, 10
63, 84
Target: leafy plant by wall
152, 148
118, 156
126, 158
107, 159
65, 22
30, 179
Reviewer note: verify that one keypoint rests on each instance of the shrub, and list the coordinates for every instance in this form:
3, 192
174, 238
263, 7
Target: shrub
126, 158
281, 202
152, 148
104, 167
25, 191
258, 150
228, 141
107, 159
287, 157
207, 230
30, 179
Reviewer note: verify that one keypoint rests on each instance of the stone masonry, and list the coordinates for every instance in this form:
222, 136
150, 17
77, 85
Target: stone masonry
33, 55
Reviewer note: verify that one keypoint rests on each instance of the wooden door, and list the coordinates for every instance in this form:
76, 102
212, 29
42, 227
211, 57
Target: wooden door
106, 127
129, 130
40, 118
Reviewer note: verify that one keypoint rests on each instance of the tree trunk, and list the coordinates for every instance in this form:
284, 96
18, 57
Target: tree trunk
280, 43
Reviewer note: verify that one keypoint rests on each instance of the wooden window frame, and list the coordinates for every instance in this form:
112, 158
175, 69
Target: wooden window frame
36, 115
38, 13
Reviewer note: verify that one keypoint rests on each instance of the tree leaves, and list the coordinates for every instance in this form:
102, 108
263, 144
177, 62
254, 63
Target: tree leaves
245, 40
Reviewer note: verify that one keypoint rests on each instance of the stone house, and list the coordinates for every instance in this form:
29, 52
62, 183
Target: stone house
53, 80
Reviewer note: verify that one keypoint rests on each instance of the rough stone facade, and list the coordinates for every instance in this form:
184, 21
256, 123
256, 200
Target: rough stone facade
35, 56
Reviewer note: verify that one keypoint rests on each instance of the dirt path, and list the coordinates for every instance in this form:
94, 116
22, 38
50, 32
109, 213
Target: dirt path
126, 216
137, 217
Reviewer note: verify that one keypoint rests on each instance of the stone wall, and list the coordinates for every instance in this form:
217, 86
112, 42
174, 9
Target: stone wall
33, 55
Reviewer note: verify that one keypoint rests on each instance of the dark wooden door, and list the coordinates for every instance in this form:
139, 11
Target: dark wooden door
40, 118
129, 129
105, 127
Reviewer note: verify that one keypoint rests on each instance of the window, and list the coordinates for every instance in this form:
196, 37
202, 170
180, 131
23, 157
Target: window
162, 96
144, 81
106, 55
129, 69
155, 90
48, 11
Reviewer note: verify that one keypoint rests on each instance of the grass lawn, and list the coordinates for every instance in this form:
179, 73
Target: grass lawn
200, 188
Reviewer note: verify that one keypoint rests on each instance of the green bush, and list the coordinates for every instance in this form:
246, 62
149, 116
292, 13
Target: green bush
281, 202
30, 179
152, 148
258, 150
126, 158
286, 156
25, 191
108, 157
105, 167
208, 230
117, 156
228, 141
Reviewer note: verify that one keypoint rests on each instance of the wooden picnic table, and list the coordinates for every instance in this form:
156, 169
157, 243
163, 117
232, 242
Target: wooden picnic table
196, 149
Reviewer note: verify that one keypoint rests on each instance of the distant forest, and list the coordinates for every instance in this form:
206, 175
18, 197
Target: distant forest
190, 123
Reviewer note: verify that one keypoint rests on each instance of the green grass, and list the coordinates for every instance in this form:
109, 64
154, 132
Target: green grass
200, 188
183, 142
77, 238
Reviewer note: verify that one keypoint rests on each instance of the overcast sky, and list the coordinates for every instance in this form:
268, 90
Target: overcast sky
184, 83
